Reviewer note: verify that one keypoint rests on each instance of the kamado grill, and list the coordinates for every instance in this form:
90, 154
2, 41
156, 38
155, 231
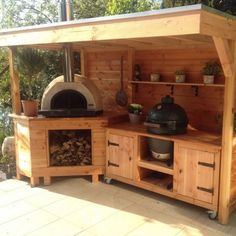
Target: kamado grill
165, 118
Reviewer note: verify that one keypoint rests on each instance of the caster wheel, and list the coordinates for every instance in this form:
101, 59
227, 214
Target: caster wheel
212, 215
107, 180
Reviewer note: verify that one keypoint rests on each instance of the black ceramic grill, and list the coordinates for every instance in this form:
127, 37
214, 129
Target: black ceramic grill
167, 118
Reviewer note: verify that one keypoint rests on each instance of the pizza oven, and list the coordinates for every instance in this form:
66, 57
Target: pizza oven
71, 99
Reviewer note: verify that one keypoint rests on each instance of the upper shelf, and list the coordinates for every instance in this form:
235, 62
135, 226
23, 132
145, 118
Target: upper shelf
173, 83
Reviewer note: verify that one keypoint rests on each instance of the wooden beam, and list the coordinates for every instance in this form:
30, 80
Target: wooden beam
15, 88
218, 25
146, 26
228, 130
225, 54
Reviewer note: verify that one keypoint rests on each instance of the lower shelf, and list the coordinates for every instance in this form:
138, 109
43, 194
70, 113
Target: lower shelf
156, 179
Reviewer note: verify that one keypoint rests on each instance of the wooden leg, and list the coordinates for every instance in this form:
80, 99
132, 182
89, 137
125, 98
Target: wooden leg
47, 180
94, 178
18, 175
34, 181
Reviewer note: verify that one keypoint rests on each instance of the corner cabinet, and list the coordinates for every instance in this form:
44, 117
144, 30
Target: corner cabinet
120, 155
196, 173
192, 176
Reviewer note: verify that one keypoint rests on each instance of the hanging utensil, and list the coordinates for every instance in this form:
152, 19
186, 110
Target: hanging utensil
121, 96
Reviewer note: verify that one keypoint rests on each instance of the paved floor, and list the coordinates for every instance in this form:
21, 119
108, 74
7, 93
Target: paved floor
75, 206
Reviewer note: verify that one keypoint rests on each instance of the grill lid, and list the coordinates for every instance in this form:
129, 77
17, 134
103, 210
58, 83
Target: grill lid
167, 118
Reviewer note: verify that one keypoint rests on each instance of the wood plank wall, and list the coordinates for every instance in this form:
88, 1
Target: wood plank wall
204, 111
104, 71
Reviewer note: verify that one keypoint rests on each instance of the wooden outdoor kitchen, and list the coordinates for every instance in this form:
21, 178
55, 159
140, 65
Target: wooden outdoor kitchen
203, 171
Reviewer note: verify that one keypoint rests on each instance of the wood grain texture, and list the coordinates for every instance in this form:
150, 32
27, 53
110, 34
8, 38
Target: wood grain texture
14, 79
227, 141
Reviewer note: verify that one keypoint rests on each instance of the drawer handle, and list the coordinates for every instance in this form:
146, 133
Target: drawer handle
206, 189
206, 164
112, 164
112, 144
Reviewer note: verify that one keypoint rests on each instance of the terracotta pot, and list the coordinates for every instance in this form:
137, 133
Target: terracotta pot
30, 108
208, 79
134, 118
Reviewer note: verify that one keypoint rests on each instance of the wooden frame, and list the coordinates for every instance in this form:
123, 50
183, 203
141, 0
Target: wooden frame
186, 27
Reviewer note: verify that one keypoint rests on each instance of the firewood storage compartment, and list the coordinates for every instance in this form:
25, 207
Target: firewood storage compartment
48, 147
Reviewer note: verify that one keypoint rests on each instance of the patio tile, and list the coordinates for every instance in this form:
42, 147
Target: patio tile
85, 233
212, 225
27, 223
18, 194
111, 200
12, 184
154, 228
44, 198
56, 228
89, 215
118, 224
66, 206
199, 231
15, 210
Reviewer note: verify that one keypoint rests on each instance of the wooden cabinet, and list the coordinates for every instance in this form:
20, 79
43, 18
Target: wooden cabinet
192, 176
120, 154
196, 173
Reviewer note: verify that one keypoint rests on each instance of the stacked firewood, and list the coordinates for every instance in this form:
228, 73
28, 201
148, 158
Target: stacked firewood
70, 148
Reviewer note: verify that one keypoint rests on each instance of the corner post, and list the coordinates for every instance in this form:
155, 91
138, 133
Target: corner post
227, 54
15, 88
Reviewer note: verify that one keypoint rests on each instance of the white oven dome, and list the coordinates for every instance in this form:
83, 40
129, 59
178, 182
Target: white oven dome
81, 85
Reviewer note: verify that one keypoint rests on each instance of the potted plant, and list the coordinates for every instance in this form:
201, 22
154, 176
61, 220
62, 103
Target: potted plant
180, 76
210, 70
30, 64
135, 111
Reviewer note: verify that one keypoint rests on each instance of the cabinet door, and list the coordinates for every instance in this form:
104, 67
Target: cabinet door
120, 155
196, 174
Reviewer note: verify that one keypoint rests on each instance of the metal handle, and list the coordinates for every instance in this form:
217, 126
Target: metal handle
112, 164
208, 190
207, 164
112, 144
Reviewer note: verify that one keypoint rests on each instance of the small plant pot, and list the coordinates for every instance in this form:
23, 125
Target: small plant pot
208, 79
30, 108
155, 77
180, 78
134, 118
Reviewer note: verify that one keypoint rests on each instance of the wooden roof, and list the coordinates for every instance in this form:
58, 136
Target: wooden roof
189, 26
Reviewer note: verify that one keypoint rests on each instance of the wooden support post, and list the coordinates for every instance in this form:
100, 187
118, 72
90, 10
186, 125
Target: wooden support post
83, 63
47, 180
15, 89
94, 178
130, 62
227, 57
34, 181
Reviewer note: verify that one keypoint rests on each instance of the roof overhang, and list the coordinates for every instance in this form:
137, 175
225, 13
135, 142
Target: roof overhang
119, 30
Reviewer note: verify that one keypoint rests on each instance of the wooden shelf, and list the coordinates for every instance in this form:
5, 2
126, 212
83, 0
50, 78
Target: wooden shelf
156, 166
163, 183
182, 84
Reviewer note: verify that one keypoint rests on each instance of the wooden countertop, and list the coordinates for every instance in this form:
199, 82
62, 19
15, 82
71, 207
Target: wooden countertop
111, 116
192, 135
